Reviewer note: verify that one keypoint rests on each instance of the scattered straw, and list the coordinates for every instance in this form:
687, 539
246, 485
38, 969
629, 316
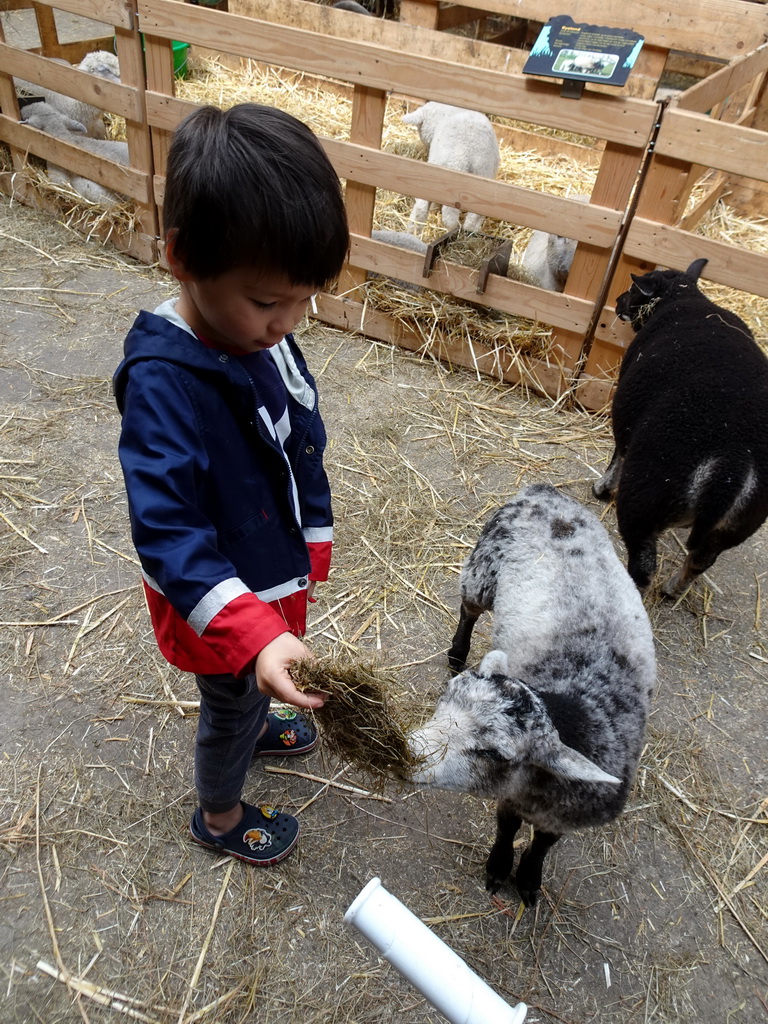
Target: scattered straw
101, 996
328, 783
358, 722
79, 213
204, 951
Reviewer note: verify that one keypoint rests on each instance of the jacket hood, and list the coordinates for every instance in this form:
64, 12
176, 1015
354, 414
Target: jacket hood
155, 337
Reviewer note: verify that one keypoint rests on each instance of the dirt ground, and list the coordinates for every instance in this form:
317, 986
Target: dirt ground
658, 918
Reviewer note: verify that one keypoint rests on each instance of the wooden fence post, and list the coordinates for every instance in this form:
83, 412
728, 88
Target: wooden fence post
423, 13
129, 53
368, 109
10, 106
158, 57
613, 187
46, 27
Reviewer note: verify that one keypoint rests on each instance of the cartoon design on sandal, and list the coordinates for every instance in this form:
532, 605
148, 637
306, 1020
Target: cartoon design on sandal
257, 839
286, 733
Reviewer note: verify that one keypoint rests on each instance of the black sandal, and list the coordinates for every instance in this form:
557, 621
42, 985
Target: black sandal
264, 836
288, 733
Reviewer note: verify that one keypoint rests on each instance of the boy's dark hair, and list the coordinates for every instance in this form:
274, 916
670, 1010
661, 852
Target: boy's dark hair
252, 186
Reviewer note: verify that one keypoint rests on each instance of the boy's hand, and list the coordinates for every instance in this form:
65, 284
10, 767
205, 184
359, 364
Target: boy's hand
272, 676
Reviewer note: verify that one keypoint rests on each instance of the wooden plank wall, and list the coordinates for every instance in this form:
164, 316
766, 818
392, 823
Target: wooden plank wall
125, 99
375, 59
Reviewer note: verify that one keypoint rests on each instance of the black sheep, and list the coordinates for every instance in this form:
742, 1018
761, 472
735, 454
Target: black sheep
690, 425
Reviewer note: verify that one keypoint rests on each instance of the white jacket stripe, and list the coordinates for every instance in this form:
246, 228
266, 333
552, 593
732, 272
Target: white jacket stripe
223, 593
317, 534
215, 601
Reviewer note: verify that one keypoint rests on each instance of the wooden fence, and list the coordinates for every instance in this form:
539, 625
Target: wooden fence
622, 229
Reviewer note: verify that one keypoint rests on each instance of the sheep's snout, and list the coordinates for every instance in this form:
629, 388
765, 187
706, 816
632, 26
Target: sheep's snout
472, 740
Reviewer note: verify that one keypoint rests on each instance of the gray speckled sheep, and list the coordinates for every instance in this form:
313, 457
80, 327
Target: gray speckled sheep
551, 724
690, 422
459, 139
48, 119
98, 62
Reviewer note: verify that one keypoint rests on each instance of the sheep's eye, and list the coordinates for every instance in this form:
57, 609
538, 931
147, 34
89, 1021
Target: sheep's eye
489, 754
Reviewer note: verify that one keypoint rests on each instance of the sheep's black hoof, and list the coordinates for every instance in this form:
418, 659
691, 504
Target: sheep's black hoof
528, 896
456, 662
498, 869
493, 882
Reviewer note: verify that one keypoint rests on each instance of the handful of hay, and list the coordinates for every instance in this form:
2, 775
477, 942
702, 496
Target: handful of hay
357, 721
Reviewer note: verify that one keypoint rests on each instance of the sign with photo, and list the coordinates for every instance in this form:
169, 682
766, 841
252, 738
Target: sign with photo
584, 53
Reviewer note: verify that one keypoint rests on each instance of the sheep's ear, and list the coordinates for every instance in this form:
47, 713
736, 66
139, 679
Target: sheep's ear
495, 663
415, 116
644, 286
570, 764
696, 268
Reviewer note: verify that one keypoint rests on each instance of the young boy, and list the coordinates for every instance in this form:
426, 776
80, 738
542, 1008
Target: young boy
222, 447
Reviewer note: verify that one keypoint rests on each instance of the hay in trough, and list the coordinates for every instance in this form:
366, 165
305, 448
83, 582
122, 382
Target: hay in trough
437, 317
358, 722
468, 249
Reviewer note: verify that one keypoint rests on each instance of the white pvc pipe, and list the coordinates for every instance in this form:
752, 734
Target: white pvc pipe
425, 960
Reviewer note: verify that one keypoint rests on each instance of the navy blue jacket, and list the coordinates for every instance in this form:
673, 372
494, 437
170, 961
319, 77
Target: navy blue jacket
209, 493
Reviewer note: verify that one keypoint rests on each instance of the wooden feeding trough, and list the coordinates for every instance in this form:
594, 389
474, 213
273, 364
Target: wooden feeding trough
495, 262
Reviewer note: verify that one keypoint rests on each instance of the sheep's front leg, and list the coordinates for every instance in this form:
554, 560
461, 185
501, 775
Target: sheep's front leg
640, 540
418, 217
473, 222
450, 217
605, 487
501, 859
528, 876
462, 638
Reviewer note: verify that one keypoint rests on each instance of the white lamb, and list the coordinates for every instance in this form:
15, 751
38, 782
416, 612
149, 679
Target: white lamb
549, 257
99, 62
48, 119
461, 140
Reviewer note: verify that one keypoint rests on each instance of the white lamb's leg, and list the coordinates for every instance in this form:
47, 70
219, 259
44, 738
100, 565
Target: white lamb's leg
473, 222
418, 216
450, 217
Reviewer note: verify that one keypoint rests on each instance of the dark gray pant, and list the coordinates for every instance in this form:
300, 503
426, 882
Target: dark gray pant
232, 714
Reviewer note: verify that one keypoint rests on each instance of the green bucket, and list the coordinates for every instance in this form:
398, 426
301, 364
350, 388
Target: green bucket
180, 54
